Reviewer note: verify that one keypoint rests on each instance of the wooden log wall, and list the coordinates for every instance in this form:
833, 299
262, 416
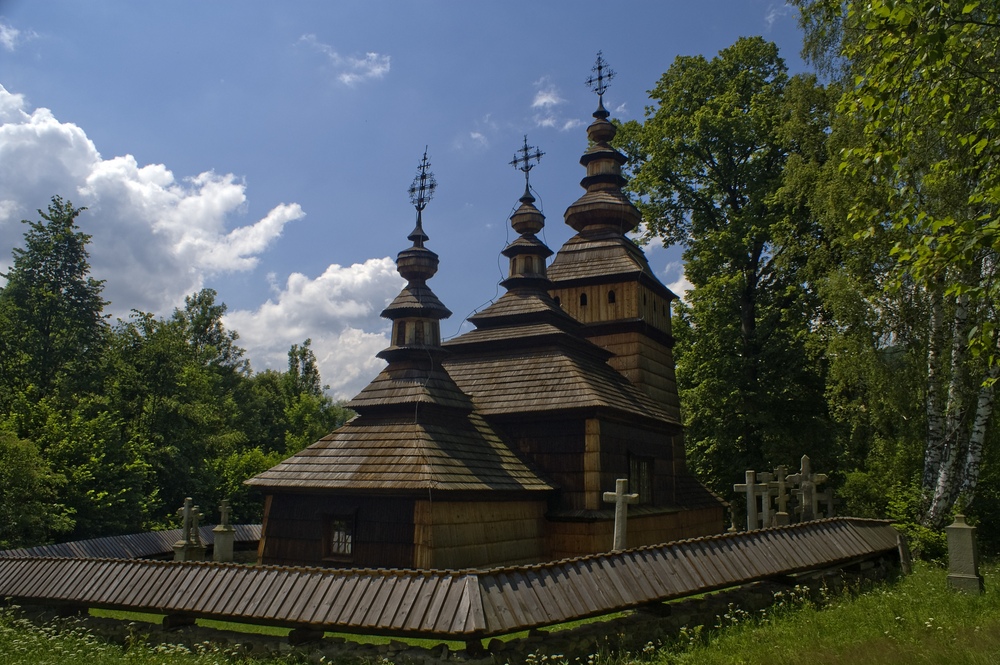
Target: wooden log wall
557, 448
456, 535
647, 363
571, 539
619, 441
592, 303
294, 527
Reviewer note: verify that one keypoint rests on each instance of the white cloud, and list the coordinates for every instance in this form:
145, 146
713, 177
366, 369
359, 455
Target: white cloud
350, 70
677, 280
11, 37
337, 310
572, 123
621, 110
546, 95
154, 238
774, 13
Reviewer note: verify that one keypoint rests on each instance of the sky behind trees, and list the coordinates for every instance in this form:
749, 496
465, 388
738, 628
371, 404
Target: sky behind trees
264, 150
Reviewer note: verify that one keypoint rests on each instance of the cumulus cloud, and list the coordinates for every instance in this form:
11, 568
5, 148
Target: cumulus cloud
479, 137
339, 311
350, 70
11, 37
155, 238
677, 280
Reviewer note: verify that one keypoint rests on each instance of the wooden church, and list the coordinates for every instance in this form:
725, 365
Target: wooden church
496, 447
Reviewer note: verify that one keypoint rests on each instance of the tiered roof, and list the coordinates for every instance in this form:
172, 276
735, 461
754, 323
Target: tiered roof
600, 251
529, 357
415, 429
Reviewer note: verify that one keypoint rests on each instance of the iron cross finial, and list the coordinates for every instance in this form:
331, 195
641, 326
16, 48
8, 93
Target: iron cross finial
523, 162
424, 184
599, 83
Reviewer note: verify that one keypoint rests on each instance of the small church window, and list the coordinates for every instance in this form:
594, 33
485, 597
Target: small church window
583, 300
339, 538
418, 333
558, 302
400, 333
611, 297
640, 477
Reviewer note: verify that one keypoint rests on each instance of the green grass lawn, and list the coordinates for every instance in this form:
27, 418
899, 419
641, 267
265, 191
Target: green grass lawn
915, 621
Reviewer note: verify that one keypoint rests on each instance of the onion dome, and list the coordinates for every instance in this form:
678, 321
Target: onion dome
604, 207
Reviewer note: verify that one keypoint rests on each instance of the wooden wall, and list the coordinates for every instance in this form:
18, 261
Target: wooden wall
452, 534
557, 448
618, 441
632, 301
294, 524
569, 539
647, 363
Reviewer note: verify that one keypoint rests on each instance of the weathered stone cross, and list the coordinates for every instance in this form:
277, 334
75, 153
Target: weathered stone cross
224, 511
750, 487
621, 501
191, 514
807, 482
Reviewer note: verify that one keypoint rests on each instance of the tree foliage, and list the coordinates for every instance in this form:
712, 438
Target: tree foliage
710, 167
920, 81
105, 429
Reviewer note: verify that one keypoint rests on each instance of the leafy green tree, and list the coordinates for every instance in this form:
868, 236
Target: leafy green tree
51, 323
923, 80
710, 169
30, 512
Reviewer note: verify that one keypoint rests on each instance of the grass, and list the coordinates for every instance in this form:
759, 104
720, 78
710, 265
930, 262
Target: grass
916, 621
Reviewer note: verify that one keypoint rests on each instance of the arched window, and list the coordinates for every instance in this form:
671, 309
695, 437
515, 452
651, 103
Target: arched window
401, 333
611, 297
558, 302
419, 333
583, 300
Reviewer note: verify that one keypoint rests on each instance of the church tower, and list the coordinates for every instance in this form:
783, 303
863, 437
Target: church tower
602, 279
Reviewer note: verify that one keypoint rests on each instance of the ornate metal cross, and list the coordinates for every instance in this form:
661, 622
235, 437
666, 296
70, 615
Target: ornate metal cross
523, 162
599, 83
423, 186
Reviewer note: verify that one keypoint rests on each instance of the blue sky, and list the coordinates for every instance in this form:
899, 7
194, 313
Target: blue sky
264, 149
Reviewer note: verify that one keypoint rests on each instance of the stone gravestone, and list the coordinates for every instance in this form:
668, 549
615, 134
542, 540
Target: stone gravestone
621, 501
963, 557
189, 547
225, 535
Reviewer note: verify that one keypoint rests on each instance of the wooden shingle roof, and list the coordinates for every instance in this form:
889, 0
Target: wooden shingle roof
456, 604
605, 256
457, 452
404, 384
531, 378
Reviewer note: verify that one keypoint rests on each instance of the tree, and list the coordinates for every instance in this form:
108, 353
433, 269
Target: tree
30, 512
922, 80
51, 321
709, 167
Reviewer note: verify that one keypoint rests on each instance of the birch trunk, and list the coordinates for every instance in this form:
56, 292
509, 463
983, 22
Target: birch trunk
974, 454
934, 452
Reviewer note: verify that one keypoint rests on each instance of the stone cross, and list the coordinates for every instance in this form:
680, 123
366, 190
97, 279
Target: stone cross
190, 514
621, 501
189, 547
807, 481
780, 486
224, 535
224, 511
764, 492
750, 487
